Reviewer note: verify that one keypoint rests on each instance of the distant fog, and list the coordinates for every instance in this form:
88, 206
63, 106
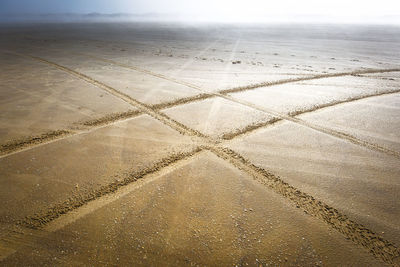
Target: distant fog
225, 11
96, 17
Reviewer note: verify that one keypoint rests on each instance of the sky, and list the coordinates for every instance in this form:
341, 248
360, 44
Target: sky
229, 10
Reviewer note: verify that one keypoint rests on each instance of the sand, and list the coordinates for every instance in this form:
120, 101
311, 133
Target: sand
178, 220
373, 119
359, 182
216, 116
149, 144
36, 99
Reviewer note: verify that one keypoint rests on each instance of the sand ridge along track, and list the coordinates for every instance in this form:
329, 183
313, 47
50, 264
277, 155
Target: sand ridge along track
379, 247
25, 143
29, 142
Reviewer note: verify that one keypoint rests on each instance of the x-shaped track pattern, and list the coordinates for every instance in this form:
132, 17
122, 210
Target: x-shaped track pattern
375, 244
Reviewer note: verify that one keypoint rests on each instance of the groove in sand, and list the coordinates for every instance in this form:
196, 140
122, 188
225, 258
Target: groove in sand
30, 142
314, 77
109, 118
41, 219
182, 101
138, 69
248, 129
379, 247
338, 102
19, 144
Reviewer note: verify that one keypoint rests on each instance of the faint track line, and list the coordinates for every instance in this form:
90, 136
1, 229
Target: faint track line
246, 87
138, 69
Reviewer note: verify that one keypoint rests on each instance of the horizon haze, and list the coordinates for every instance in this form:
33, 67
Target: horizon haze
252, 11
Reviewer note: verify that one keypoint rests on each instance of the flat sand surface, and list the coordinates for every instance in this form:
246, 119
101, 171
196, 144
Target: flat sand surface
139, 144
375, 120
216, 116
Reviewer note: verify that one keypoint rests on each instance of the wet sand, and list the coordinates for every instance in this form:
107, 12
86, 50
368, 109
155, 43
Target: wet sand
149, 144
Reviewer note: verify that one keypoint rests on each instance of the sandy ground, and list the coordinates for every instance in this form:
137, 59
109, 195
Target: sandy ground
375, 119
147, 144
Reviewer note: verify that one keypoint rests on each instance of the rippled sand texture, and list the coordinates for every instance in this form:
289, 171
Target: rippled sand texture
167, 145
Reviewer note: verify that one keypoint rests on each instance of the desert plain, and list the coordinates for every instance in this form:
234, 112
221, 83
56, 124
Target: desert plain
149, 144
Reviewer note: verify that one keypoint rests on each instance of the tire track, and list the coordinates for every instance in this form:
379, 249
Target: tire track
338, 102
300, 79
321, 129
248, 128
34, 228
145, 71
181, 101
377, 246
110, 118
253, 127
30, 142
246, 87
357, 233
43, 218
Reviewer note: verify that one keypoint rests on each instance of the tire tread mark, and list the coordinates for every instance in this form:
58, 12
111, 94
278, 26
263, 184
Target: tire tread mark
42, 218
375, 244
300, 79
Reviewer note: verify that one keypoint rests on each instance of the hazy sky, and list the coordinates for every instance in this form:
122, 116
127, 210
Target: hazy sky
211, 9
